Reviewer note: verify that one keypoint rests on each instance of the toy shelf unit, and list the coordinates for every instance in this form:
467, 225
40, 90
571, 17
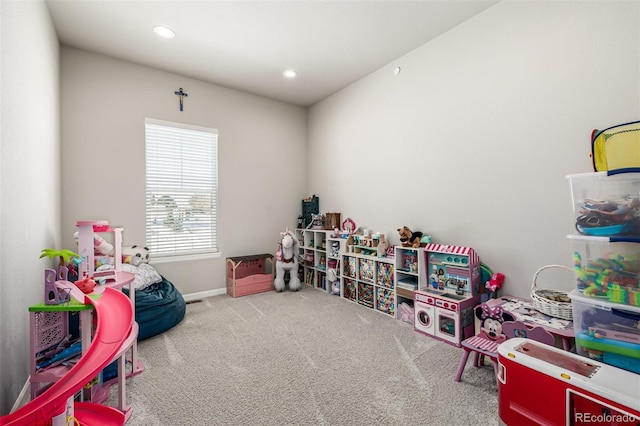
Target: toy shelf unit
363, 244
313, 246
369, 281
335, 248
89, 240
310, 206
409, 265
60, 334
249, 274
55, 342
443, 305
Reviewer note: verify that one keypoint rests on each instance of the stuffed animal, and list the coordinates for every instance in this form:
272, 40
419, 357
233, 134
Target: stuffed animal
135, 255
382, 246
335, 248
332, 277
86, 285
100, 245
287, 260
492, 319
408, 238
406, 313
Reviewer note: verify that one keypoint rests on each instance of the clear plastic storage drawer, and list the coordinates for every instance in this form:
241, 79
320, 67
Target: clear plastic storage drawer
607, 268
607, 332
606, 204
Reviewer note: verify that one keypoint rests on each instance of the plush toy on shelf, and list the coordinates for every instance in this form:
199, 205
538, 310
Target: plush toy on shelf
382, 246
409, 238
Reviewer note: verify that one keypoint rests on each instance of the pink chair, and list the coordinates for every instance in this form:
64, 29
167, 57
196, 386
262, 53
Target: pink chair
483, 345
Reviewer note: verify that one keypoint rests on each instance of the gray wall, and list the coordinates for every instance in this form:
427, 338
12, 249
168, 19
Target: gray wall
30, 190
471, 142
262, 151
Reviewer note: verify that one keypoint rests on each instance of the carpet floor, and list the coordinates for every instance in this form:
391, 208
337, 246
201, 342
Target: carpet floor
302, 358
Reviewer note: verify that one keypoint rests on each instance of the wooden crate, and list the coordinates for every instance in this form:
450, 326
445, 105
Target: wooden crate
249, 274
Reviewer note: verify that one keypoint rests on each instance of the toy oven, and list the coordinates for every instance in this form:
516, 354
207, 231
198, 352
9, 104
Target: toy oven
446, 317
444, 303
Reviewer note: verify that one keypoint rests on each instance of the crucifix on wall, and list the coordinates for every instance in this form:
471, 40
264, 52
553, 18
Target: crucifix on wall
182, 96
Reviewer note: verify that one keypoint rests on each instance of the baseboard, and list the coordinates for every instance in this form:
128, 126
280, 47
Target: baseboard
203, 294
23, 398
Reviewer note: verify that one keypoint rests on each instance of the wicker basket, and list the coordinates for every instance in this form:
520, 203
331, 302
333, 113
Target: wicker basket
555, 303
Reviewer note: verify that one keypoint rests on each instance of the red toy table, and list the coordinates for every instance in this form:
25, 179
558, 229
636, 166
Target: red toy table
543, 385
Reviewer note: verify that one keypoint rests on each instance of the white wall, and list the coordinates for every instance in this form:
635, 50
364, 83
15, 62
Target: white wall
29, 178
471, 142
262, 151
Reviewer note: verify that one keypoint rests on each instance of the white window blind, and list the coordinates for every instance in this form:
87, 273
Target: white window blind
181, 189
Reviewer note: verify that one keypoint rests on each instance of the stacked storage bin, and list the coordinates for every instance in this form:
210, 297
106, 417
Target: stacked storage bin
606, 252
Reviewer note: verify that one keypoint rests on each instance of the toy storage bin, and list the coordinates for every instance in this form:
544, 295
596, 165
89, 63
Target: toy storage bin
249, 274
607, 332
606, 203
607, 268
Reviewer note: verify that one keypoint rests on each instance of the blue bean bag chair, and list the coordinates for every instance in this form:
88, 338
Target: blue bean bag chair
159, 307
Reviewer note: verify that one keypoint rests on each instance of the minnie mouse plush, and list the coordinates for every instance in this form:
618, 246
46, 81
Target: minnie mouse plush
492, 319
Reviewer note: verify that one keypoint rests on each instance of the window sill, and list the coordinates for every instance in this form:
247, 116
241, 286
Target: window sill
185, 258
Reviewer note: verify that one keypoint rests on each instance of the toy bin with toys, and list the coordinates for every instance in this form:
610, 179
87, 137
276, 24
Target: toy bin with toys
607, 332
606, 203
607, 268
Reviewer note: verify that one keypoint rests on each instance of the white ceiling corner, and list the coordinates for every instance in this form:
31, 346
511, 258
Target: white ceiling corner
246, 45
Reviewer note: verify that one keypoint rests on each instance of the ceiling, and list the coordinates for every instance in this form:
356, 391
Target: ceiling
246, 45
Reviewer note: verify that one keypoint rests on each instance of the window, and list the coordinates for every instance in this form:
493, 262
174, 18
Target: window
182, 189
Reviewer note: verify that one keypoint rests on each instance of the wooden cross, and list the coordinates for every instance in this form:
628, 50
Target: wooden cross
182, 96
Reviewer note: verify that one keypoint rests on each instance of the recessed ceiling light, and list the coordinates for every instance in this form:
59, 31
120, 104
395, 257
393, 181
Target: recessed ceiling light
290, 73
164, 32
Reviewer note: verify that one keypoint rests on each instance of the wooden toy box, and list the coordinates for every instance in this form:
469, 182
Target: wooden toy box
249, 274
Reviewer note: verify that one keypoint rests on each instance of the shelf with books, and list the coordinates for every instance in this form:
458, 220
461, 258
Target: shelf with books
409, 272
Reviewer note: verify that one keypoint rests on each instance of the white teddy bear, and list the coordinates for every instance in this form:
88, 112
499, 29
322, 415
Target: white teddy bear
135, 255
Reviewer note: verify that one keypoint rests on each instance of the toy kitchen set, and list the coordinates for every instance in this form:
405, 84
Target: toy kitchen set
443, 305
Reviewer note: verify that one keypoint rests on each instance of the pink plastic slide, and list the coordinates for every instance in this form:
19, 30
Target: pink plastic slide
115, 318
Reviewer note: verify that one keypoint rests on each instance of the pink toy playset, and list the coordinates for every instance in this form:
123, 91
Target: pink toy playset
443, 306
249, 274
91, 244
55, 405
63, 367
